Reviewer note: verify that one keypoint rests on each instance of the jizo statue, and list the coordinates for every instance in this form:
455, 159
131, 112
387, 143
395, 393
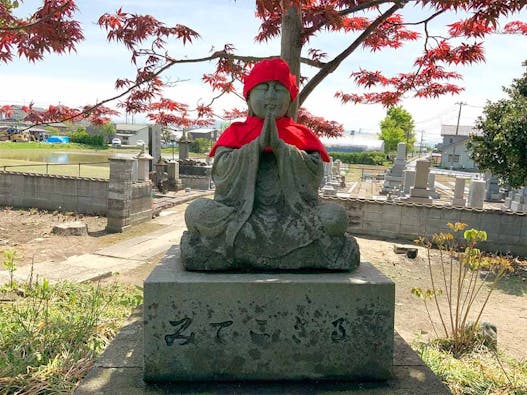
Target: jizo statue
266, 214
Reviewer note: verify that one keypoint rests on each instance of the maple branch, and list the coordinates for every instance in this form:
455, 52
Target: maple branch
363, 6
41, 20
345, 12
332, 65
425, 21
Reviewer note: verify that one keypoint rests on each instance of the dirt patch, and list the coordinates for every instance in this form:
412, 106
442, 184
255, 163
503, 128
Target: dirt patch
29, 232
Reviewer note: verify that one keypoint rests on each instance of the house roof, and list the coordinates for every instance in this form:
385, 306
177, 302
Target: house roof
462, 130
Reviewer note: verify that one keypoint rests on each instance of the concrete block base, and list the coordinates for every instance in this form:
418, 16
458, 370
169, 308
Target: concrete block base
267, 326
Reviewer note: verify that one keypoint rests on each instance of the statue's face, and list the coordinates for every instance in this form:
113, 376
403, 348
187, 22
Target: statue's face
271, 95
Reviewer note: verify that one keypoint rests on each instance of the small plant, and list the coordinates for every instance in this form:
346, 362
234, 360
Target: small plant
464, 271
9, 264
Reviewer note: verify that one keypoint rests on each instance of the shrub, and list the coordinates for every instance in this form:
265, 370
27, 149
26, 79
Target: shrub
361, 158
82, 137
464, 272
200, 145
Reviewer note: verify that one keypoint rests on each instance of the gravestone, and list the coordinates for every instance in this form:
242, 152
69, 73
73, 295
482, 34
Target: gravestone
508, 200
184, 146
393, 179
409, 181
492, 188
476, 194
519, 200
459, 192
431, 186
420, 193
267, 284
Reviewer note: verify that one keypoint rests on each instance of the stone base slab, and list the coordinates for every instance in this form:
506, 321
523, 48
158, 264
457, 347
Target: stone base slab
267, 326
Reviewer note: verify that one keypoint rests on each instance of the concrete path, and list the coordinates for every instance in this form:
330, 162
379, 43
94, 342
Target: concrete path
118, 258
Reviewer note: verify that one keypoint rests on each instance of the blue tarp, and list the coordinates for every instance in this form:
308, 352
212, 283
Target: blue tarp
58, 139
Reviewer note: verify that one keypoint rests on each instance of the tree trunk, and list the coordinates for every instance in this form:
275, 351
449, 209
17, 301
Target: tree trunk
291, 43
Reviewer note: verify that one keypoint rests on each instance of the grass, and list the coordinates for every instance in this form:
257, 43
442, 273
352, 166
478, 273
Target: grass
477, 372
50, 334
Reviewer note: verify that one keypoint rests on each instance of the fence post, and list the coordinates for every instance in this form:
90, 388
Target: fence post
119, 194
47, 168
79, 169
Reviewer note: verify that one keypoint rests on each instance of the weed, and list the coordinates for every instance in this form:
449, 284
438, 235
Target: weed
51, 334
464, 272
9, 264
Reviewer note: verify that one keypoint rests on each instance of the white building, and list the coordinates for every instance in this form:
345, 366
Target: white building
131, 133
454, 152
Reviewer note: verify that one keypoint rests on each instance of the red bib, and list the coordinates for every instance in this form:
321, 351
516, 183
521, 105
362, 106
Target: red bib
241, 133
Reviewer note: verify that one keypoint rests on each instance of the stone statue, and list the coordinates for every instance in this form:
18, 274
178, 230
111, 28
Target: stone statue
267, 170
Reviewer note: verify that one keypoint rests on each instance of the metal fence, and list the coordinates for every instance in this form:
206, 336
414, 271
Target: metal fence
81, 169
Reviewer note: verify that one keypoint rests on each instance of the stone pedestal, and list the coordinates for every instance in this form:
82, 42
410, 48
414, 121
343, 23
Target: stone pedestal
267, 326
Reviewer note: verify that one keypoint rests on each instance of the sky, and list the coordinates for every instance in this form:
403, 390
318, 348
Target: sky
89, 74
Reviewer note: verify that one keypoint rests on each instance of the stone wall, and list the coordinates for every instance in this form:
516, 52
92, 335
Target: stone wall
122, 201
81, 195
196, 182
506, 231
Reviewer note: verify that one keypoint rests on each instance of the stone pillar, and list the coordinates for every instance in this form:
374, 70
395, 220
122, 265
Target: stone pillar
459, 192
154, 146
119, 194
476, 194
173, 171
143, 165
409, 181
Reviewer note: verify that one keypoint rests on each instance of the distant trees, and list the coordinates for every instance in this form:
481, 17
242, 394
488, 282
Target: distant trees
502, 148
396, 127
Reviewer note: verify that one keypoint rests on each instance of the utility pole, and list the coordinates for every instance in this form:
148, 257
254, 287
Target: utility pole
421, 143
460, 104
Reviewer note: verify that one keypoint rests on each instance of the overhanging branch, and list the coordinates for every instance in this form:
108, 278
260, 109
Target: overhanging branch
332, 65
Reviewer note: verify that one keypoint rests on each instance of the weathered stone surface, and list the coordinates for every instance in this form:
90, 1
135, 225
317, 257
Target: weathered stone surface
267, 326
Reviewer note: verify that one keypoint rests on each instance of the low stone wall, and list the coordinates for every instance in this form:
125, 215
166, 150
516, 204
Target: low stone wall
196, 182
126, 203
81, 195
506, 231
